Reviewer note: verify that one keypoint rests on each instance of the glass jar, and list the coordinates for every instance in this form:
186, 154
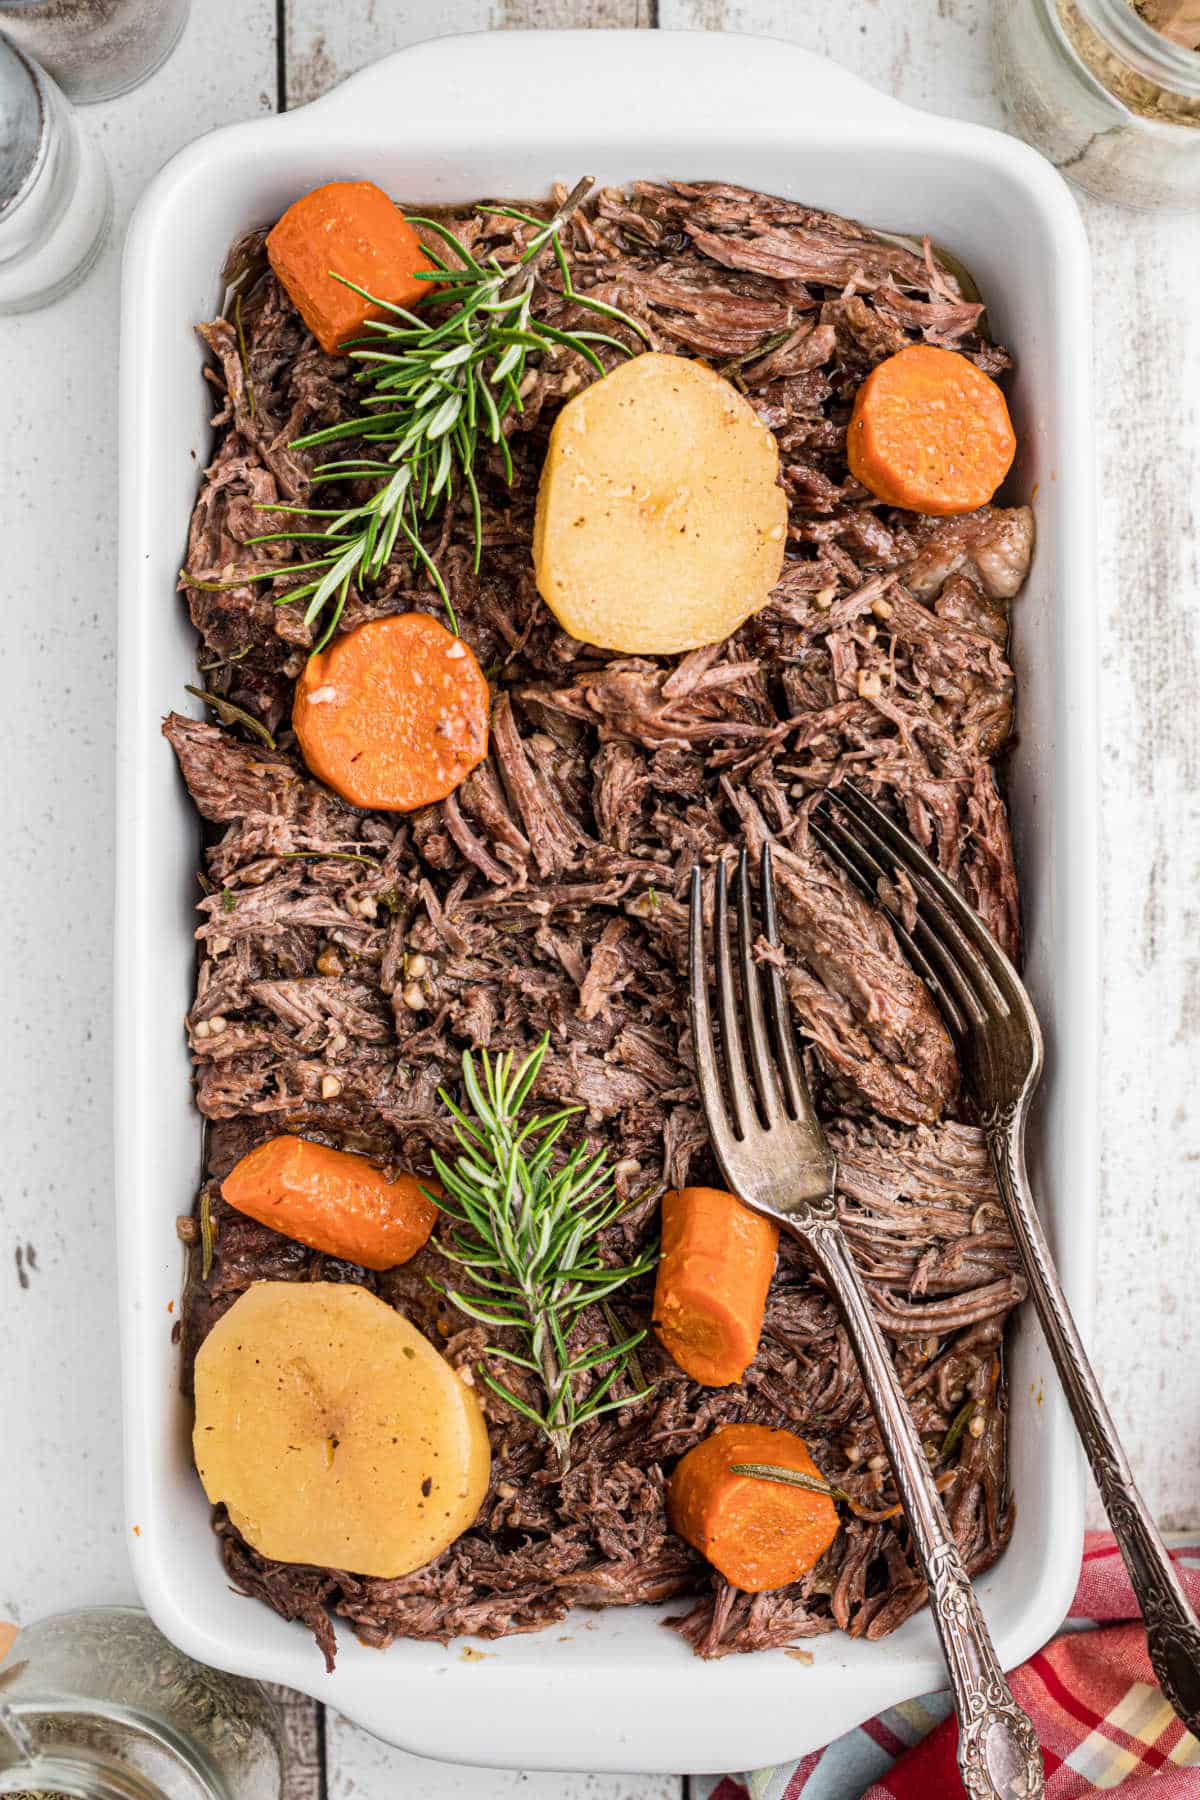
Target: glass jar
55, 196
1113, 102
96, 49
98, 1705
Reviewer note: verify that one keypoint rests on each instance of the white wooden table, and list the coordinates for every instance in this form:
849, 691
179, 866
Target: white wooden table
60, 1508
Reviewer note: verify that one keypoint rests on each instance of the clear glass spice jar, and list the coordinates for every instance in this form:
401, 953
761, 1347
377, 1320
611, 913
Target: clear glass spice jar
98, 1705
55, 196
1110, 99
96, 49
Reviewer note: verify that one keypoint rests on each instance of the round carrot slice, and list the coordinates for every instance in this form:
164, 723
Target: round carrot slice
759, 1534
930, 432
333, 1201
394, 714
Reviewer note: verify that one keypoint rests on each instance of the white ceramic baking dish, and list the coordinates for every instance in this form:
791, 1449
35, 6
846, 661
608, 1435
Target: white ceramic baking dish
504, 114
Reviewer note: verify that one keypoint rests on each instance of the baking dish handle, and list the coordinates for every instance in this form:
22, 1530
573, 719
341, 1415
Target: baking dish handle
501, 76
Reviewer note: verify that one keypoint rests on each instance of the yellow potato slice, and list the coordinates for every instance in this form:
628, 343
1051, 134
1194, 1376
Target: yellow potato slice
660, 522
334, 1432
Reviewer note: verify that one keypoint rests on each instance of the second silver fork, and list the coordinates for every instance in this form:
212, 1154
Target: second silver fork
775, 1156
999, 1041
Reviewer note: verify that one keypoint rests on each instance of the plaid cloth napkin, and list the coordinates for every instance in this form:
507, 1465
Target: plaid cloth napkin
1101, 1719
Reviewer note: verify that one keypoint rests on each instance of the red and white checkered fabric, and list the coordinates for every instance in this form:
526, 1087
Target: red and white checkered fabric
1102, 1722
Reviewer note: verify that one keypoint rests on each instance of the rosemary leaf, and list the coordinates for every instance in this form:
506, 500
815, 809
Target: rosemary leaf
325, 856
245, 360
958, 1425
229, 714
771, 342
614, 1328
206, 1236
812, 1484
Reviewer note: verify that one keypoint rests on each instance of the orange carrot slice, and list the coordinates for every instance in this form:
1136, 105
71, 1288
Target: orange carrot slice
759, 1534
930, 432
713, 1275
394, 714
332, 1201
347, 228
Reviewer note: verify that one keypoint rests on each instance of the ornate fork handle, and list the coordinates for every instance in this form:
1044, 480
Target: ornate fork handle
998, 1753
1172, 1630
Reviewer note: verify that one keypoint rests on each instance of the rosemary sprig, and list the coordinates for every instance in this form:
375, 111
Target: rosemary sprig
432, 391
526, 1228
325, 856
812, 1484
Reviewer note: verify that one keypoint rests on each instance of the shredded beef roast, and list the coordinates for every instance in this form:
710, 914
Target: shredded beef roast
548, 893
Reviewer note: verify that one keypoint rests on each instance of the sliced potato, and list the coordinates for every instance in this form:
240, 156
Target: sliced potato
660, 522
334, 1432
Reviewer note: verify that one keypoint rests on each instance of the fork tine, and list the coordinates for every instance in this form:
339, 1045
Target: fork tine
970, 986
727, 1012
794, 1084
854, 858
964, 922
708, 1074
766, 1080
950, 947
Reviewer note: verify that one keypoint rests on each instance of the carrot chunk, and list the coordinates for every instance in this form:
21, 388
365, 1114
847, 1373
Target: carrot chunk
332, 1201
716, 1265
930, 432
347, 228
394, 714
759, 1534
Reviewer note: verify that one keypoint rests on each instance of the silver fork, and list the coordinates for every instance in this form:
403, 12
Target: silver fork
775, 1156
984, 1003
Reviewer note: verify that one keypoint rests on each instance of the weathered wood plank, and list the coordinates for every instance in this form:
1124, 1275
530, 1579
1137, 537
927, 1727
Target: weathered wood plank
325, 44
1147, 384
935, 54
359, 1766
